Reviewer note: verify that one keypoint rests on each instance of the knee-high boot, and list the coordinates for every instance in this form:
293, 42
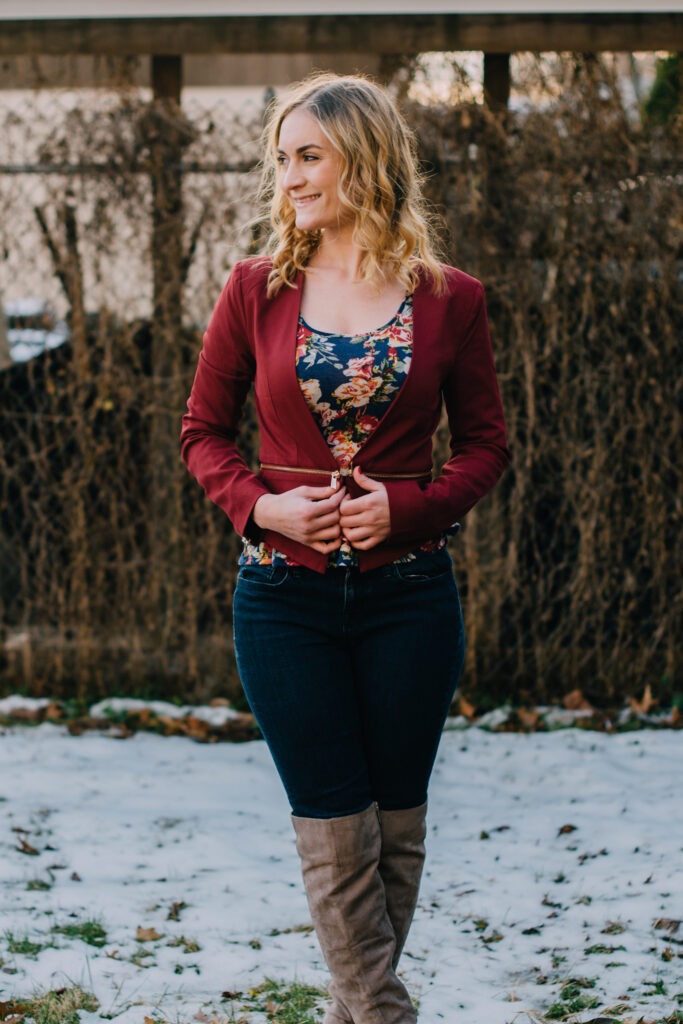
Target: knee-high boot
400, 867
401, 863
340, 868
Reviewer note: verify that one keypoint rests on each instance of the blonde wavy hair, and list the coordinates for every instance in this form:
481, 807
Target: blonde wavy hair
379, 182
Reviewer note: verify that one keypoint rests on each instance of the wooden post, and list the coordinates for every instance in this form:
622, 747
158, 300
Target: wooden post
167, 213
496, 96
497, 80
167, 137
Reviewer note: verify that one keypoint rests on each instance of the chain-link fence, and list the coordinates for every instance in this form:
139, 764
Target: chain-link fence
122, 216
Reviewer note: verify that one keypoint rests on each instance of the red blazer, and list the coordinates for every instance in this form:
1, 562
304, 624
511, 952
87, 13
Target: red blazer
253, 338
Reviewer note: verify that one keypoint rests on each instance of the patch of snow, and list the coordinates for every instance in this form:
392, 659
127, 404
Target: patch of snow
207, 713
494, 719
213, 715
511, 903
15, 702
456, 722
561, 717
117, 705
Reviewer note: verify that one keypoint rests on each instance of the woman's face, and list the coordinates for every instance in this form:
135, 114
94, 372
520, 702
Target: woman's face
309, 171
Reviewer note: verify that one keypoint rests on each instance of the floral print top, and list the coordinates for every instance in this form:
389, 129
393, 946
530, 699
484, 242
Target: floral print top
349, 382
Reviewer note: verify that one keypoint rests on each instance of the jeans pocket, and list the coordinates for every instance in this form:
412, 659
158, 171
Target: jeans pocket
425, 566
263, 575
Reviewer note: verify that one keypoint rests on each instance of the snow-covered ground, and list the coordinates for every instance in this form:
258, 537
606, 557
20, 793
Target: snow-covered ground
542, 846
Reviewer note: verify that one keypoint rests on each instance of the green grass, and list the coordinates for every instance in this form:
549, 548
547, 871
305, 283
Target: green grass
293, 1003
562, 1009
140, 955
613, 928
573, 999
91, 931
58, 1006
657, 988
39, 884
24, 945
600, 947
190, 945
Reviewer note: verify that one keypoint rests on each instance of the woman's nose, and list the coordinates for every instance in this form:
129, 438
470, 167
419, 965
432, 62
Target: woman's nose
292, 175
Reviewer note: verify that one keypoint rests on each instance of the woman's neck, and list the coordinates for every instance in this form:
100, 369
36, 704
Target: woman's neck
339, 254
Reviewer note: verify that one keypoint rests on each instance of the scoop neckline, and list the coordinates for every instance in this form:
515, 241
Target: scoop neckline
361, 334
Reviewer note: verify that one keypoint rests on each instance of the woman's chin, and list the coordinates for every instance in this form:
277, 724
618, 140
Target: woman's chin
305, 223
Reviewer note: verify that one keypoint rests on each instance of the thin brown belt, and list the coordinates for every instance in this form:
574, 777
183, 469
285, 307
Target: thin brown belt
337, 474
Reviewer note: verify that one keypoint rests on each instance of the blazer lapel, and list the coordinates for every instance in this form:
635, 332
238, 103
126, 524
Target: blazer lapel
279, 334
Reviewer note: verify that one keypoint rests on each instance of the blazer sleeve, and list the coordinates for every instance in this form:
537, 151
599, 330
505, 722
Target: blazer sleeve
208, 435
478, 443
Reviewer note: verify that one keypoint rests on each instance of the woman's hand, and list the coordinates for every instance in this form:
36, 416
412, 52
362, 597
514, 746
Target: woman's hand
365, 521
309, 515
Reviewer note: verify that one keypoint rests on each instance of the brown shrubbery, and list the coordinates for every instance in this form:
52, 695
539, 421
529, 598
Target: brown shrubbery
115, 573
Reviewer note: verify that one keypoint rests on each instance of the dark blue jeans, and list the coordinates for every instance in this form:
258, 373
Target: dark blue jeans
350, 677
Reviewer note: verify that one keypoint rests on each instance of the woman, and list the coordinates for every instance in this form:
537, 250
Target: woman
347, 624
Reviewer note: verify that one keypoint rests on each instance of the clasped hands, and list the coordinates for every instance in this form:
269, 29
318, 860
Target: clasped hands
322, 516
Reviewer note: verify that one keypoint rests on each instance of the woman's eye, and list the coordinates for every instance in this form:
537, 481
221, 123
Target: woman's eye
310, 156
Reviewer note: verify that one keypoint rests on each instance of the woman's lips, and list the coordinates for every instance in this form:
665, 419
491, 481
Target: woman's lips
305, 200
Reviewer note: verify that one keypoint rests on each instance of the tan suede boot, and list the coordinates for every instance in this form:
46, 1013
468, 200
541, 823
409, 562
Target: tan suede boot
340, 869
400, 867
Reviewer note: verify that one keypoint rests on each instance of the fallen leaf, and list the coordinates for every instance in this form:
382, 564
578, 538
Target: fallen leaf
613, 928
12, 1008
528, 719
147, 934
174, 912
27, 714
668, 924
467, 709
197, 727
173, 726
575, 701
567, 828
646, 705
26, 847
